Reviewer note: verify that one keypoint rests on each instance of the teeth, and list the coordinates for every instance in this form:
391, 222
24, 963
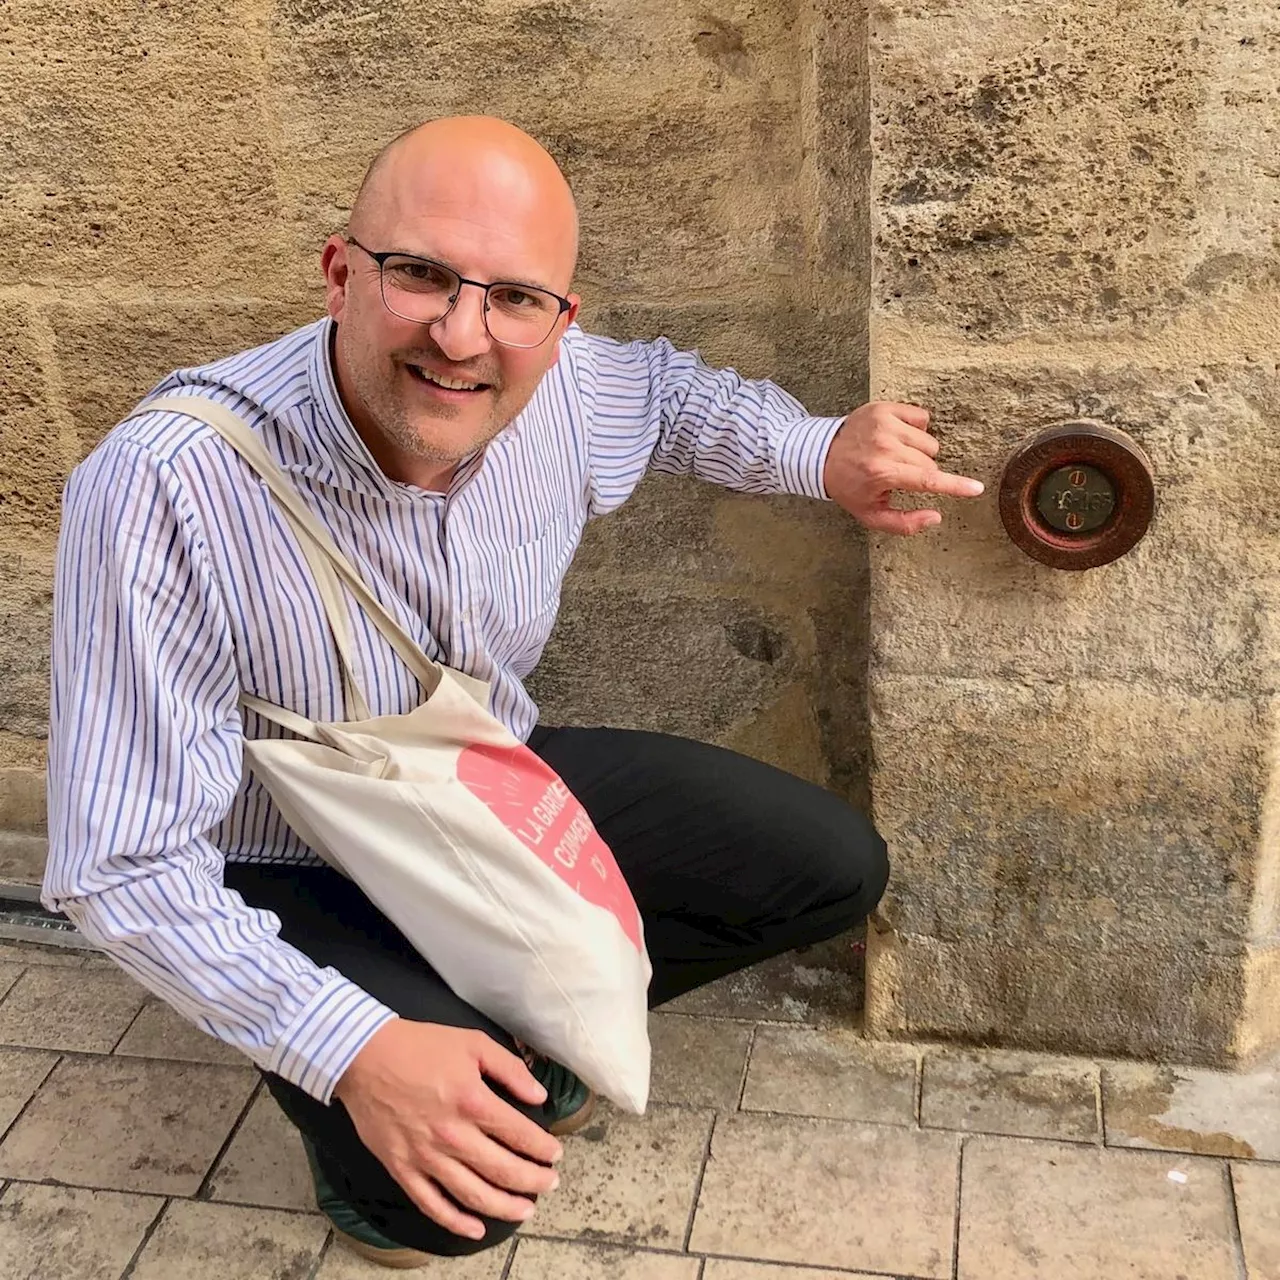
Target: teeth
450, 384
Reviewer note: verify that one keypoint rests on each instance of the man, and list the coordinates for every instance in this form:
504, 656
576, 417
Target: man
454, 430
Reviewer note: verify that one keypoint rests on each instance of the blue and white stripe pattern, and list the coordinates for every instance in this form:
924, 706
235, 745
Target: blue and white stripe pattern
179, 585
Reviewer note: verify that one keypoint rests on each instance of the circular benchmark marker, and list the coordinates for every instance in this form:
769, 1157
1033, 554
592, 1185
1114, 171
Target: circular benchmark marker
1077, 495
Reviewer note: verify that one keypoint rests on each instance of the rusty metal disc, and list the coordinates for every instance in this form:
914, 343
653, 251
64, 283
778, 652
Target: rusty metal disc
1077, 495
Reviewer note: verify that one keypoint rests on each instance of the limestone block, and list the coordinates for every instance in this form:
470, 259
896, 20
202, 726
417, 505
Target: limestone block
113, 355
1171, 1005
26, 611
1075, 166
1085, 814
22, 788
667, 662
688, 530
785, 734
32, 463
677, 129
1191, 608
136, 148
22, 800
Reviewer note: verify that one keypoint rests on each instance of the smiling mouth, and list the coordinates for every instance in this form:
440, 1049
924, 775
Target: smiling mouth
441, 380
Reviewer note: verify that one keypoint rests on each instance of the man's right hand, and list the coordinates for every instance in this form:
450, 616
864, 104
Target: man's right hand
418, 1096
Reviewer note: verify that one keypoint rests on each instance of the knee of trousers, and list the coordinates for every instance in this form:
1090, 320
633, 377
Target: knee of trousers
858, 866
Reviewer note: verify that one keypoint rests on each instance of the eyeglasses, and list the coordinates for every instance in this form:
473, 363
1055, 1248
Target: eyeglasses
418, 289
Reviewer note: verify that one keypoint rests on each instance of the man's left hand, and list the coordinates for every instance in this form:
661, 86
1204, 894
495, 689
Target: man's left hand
885, 448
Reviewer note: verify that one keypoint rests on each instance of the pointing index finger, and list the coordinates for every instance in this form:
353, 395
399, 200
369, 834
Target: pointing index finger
912, 480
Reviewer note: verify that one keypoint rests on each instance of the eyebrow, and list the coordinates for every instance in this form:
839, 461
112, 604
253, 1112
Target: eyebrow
525, 284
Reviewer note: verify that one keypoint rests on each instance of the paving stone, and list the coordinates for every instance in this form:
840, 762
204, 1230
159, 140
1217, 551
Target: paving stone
265, 1163
1010, 1093
67, 1233
162, 1032
21, 1071
628, 1179
833, 1074
76, 1009
9, 974
1068, 1212
1209, 1113
1257, 1189
200, 1241
830, 1194
127, 1124
341, 1264
33, 953
556, 1260
736, 1269
822, 984
697, 1062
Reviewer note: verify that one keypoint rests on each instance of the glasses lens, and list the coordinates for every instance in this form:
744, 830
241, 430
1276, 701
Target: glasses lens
417, 289
521, 316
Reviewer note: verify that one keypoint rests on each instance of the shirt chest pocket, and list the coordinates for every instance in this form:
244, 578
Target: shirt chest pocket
526, 583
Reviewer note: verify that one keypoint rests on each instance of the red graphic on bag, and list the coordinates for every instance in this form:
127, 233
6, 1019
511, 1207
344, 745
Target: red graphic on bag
525, 795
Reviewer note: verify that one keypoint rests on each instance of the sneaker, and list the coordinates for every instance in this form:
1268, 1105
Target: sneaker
359, 1236
570, 1104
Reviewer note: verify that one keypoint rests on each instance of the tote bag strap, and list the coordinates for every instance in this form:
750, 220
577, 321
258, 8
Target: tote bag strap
318, 545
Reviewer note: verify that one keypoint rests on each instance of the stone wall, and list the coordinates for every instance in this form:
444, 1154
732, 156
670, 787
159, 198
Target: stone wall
168, 172
1075, 214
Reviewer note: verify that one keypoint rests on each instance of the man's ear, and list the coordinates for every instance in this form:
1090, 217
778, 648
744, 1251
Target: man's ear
333, 261
569, 317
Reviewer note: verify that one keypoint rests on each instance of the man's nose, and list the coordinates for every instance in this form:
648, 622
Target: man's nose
461, 334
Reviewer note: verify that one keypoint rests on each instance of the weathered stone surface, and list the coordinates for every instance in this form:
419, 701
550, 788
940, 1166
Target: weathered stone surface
677, 129
547, 1260
1077, 1213
1209, 1113
821, 984
1068, 813
1189, 608
1257, 1192
212, 1241
628, 1180
617, 656
113, 355
1140, 1001
127, 1123
1046, 165
67, 1231
697, 1062
1011, 1093
22, 791
837, 1075
26, 615
779, 1188
32, 463
134, 150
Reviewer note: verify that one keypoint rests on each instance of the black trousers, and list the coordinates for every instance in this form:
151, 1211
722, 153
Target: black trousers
730, 862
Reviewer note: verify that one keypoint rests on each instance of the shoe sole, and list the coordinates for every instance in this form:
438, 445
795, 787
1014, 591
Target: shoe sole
578, 1120
393, 1259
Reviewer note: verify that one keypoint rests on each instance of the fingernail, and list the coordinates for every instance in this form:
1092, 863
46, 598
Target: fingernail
976, 487
555, 1181
526, 1212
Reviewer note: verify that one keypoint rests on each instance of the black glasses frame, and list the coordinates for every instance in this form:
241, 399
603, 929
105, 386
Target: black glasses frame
382, 258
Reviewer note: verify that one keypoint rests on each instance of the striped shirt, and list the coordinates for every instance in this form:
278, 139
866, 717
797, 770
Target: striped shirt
179, 585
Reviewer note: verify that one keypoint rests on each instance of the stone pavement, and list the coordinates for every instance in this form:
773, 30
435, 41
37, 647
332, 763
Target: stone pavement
779, 1147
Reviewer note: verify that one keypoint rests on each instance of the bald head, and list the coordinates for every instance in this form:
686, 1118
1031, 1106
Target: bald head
477, 171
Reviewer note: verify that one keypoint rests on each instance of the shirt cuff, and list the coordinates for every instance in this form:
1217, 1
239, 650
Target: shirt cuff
333, 1026
802, 455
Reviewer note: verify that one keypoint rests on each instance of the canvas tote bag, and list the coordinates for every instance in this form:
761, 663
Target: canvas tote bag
458, 832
